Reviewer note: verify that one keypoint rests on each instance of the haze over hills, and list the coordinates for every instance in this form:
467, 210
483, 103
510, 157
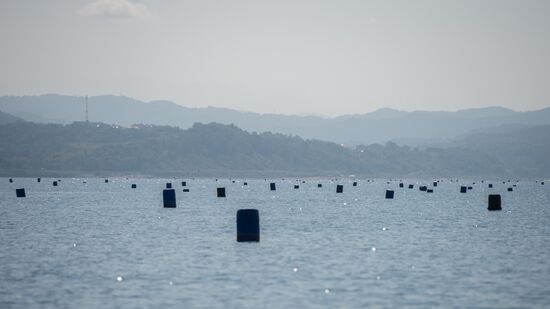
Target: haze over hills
383, 125
31, 149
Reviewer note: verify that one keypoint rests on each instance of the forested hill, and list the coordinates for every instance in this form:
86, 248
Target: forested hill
7, 118
221, 150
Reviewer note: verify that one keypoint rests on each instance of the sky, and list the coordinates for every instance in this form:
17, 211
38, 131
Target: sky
286, 56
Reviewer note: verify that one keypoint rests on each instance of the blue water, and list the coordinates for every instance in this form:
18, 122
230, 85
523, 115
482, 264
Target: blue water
104, 245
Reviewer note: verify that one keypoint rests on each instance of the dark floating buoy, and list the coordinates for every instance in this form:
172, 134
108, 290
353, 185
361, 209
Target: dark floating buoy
168, 185
319, 185
389, 194
494, 202
245, 183
411, 186
463, 189
355, 183
169, 198
490, 185
401, 185
106, 180
38, 180
470, 188
11, 180
185, 190
296, 187
54, 183
435, 184
510, 189
183, 183
339, 188
422, 188
430, 191
248, 225
272, 186
20, 192
134, 186
221, 192
542, 183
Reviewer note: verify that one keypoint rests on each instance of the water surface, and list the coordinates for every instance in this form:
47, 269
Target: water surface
105, 245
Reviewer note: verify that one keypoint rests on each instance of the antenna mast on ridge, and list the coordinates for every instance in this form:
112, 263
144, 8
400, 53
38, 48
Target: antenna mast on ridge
86, 108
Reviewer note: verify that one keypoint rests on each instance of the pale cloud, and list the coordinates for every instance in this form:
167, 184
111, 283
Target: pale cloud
116, 9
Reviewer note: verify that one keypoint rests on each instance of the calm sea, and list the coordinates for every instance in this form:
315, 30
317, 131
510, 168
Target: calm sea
105, 245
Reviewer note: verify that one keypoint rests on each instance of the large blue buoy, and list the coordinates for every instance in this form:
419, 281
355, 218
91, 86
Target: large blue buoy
296, 187
411, 186
319, 185
339, 188
134, 186
221, 192
463, 189
434, 184
106, 180
422, 188
248, 225
38, 180
20, 192
401, 185
272, 186
11, 180
169, 198
183, 183
510, 189
494, 202
54, 183
490, 185
168, 185
389, 194
355, 184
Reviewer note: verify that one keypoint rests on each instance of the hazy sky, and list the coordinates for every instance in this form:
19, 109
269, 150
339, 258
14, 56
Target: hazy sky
283, 56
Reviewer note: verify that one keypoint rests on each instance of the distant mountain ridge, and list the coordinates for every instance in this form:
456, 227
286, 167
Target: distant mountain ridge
376, 127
